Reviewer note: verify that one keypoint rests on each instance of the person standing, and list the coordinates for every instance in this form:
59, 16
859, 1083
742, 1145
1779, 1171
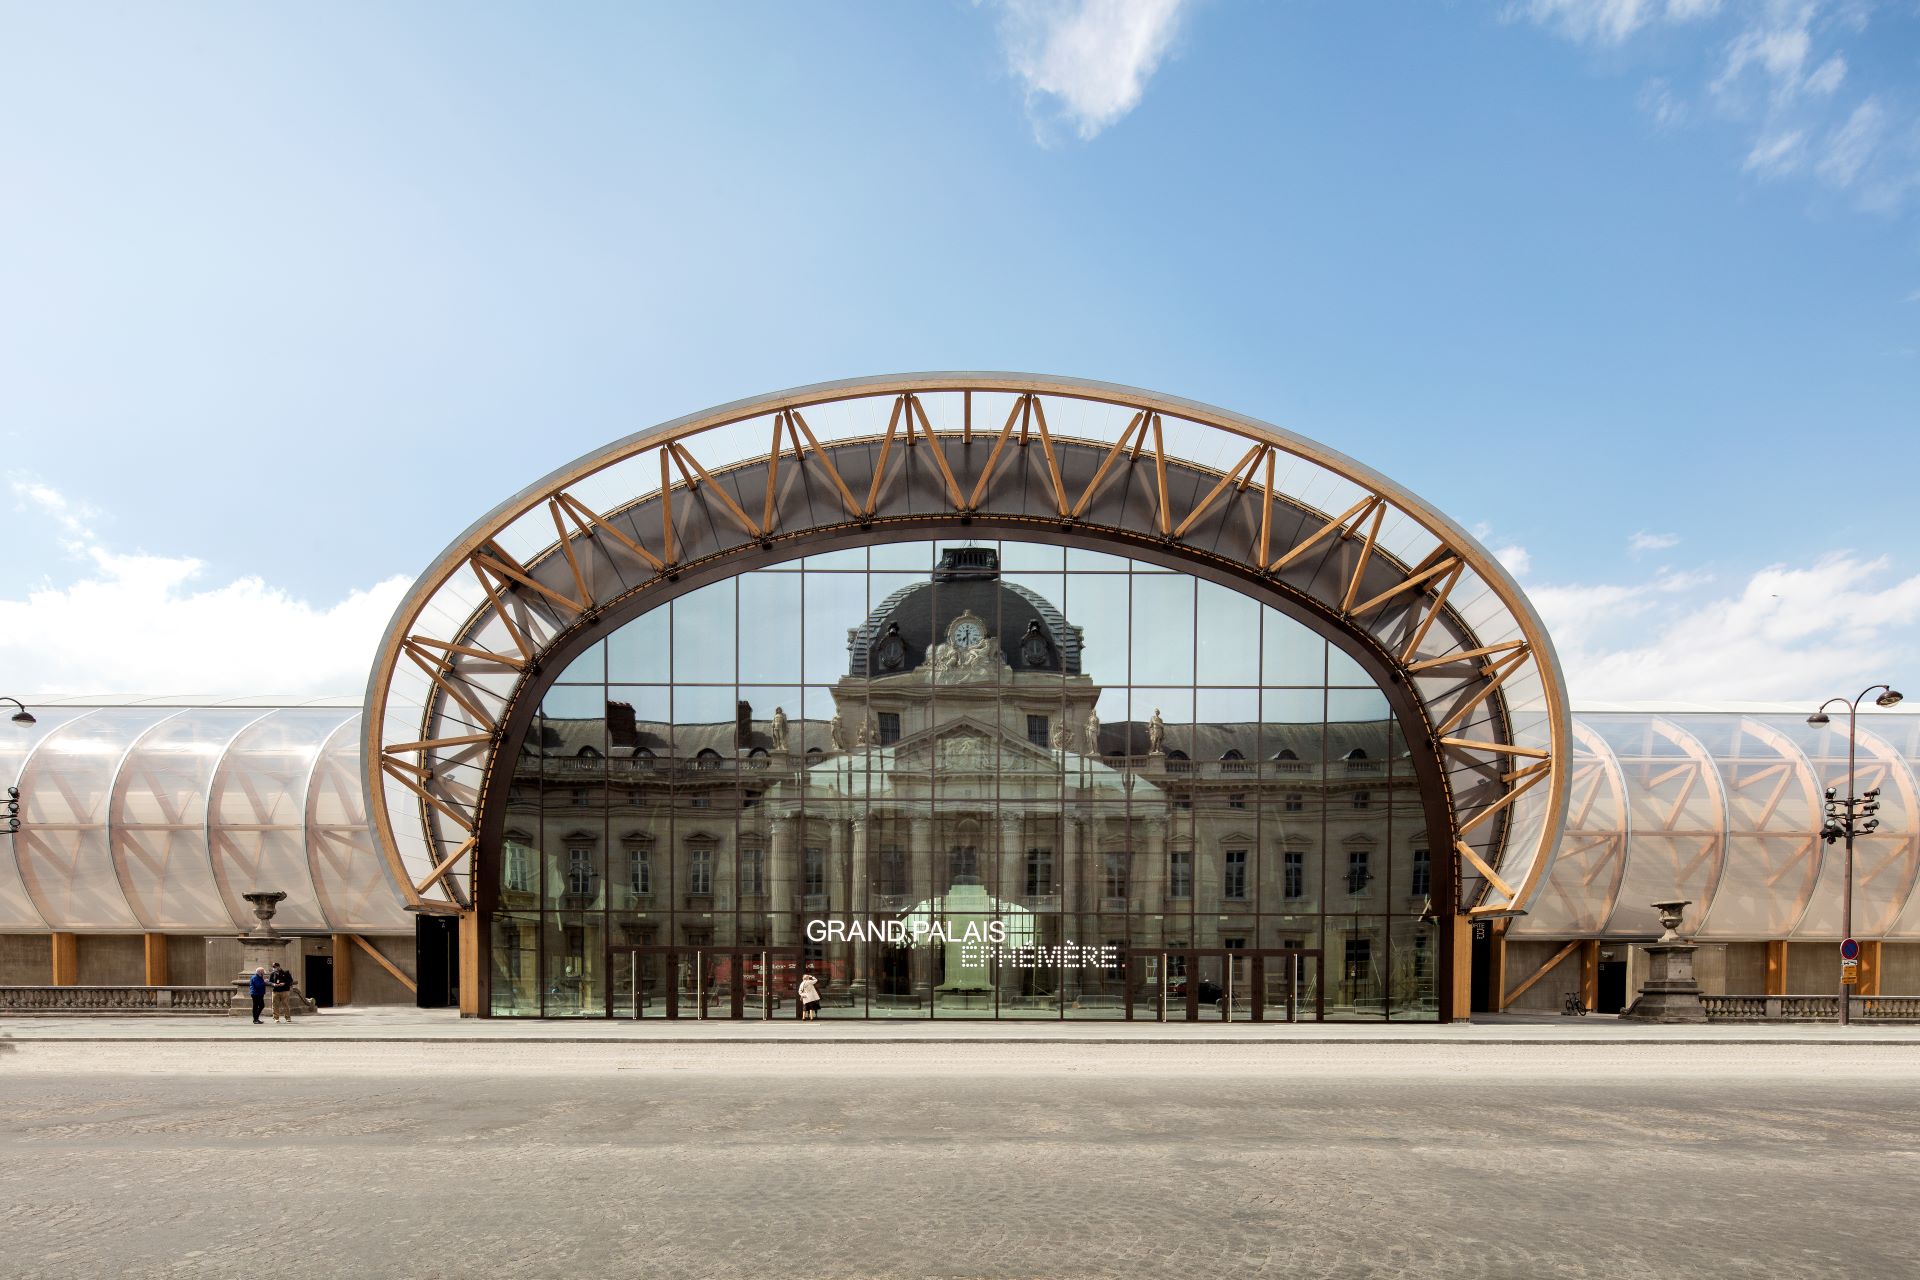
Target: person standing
809, 998
281, 981
257, 988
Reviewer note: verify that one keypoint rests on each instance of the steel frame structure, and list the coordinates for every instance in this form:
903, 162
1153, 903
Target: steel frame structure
1407, 592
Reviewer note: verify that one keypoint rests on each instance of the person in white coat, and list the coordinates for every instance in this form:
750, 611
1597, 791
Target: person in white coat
809, 997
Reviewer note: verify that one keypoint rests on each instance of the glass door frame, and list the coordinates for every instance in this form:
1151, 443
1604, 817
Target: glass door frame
1257, 958
701, 955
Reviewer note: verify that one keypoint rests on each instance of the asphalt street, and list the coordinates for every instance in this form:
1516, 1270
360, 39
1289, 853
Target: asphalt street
996, 1160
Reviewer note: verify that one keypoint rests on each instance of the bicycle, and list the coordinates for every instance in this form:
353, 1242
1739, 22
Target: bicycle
1573, 1005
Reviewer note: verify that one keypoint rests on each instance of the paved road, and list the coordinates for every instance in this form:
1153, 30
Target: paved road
1002, 1160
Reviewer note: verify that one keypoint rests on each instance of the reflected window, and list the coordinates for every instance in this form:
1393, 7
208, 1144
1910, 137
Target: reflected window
518, 875
753, 871
963, 862
1294, 875
1039, 872
813, 871
1180, 874
1422, 882
893, 871
1294, 803
889, 728
1235, 886
1362, 800
1359, 870
1116, 875
700, 872
1237, 801
1037, 727
579, 871
579, 797
639, 873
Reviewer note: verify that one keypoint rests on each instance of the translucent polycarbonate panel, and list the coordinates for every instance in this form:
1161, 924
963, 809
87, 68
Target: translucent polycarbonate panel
1884, 862
1678, 816
17, 743
159, 819
1773, 807
258, 814
66, 787
1583, 880
351, 880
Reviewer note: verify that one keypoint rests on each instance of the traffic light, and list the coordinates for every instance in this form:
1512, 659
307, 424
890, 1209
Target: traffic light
13, 810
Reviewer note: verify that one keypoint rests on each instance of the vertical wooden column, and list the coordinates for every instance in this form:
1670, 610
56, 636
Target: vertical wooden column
470, 964
342, 968
1776, 967
1869, 970
1459, 985
154, 946
1590, 973
66, 959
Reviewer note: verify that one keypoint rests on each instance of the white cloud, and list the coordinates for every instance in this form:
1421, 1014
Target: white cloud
1088, 60
147, 624
1657, 99
1793, 633
1851, 144
1609, 21
1777, 156
1515, 558
1644, 541
1827, 76
1774, 70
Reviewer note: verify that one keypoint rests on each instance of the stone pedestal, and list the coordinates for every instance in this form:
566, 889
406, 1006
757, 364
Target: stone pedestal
1671, 994
261, 949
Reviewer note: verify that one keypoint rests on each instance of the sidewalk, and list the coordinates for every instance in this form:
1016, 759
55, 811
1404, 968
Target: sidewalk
404, 1025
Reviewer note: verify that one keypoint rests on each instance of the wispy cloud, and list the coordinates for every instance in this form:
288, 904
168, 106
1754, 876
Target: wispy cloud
1644, 541
140, 623
1776, 70
1085, 62
1790, 632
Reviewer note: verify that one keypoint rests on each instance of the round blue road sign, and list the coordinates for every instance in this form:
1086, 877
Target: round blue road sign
1849, 950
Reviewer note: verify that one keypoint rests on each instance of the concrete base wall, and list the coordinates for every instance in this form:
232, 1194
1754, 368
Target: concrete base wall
1900, 969
26, 959
119, 960
1746, 970
112, 960
1813, 969
186, 961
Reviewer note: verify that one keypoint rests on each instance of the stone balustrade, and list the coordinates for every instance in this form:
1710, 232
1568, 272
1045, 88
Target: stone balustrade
1744, 1008
114, 1000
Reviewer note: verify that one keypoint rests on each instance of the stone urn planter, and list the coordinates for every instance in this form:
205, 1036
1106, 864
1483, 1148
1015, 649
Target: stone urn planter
1671, 994
260, 949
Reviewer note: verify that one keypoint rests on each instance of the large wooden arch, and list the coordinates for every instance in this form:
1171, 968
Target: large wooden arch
612, 533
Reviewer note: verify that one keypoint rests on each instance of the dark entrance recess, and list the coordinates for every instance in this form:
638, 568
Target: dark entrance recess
1484, 998
316, 980
1611, 992
436, 958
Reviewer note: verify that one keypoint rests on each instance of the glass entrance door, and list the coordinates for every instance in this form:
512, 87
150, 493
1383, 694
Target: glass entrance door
1242, 984
702, 982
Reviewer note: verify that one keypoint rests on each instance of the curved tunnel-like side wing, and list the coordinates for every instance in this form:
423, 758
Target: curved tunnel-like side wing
609, 536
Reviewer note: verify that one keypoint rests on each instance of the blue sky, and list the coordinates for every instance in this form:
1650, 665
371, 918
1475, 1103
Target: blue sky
289, 294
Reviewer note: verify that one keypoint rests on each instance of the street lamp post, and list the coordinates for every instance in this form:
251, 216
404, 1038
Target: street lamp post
23, 718
1854, 815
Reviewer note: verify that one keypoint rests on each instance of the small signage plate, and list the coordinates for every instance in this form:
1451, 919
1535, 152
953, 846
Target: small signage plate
1849, 950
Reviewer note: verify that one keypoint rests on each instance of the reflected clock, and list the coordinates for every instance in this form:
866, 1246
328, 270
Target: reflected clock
966, 633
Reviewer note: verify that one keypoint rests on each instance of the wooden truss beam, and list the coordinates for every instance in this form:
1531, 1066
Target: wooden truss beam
447, 864
1540, 973
386, 964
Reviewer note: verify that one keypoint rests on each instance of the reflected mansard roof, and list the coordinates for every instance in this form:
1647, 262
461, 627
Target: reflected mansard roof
967, 581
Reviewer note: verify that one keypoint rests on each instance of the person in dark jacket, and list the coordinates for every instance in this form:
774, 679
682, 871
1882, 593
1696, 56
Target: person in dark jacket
281, 980
257, 988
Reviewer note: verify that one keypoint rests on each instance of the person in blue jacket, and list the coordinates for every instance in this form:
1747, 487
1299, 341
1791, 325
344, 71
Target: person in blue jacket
257, 988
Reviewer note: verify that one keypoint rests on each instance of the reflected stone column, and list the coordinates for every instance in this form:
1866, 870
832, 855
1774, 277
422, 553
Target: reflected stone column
859, 909
1073, 878
780, 881
1152, 898
920, 863
1013, 883
839, 845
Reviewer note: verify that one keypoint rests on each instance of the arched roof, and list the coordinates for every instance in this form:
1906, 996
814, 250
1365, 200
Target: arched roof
1383, 573
156, 817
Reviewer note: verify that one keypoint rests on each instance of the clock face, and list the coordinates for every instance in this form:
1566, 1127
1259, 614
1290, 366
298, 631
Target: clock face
967, 634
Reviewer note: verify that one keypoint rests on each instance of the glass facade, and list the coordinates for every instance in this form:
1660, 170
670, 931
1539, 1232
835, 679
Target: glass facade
999, 780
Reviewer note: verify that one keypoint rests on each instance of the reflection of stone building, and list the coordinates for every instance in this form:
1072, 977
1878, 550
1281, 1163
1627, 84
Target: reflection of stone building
965, 749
